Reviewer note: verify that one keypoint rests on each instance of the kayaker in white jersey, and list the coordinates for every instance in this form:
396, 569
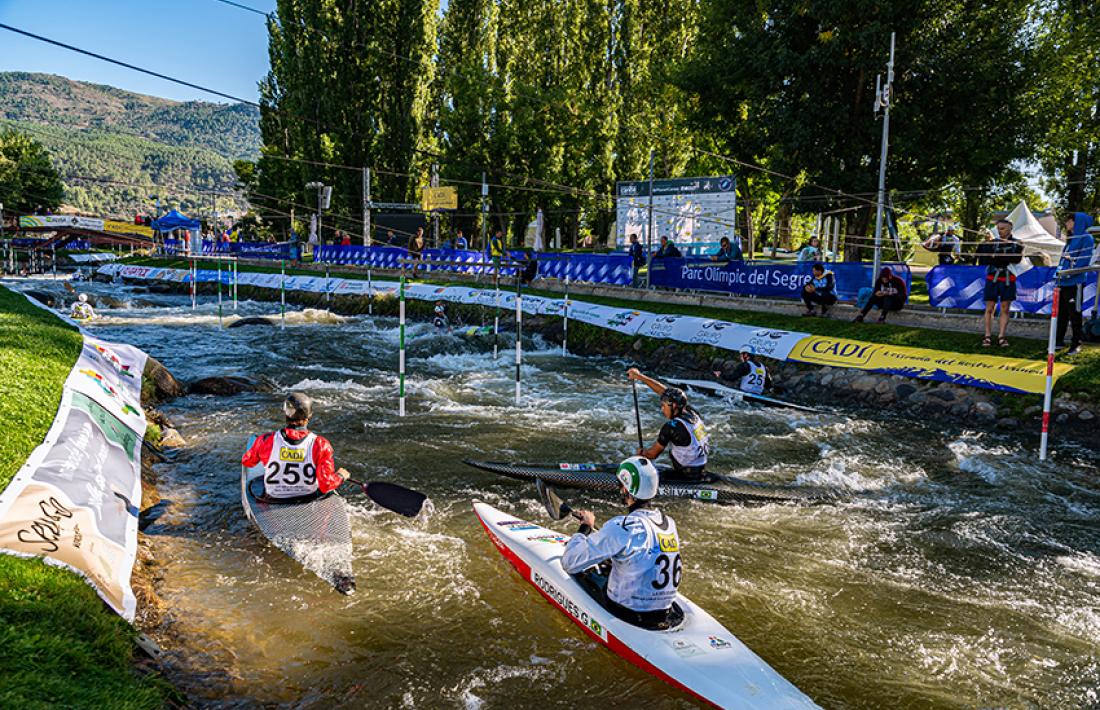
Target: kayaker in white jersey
750, 374
296, 461
684, 434
642, 546
82, 310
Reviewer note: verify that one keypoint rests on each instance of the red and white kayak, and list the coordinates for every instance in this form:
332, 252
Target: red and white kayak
698, 655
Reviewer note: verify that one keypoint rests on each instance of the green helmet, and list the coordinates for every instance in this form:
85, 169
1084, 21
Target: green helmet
639, 477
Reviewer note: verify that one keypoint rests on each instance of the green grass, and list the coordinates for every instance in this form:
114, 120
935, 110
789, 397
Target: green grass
60, 646
37, 351
1084, 379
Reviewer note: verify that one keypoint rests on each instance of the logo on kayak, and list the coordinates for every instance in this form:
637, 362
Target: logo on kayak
716, 642
707, 494
668, 543
516, 525
557, 539
568, 605
685, 649
288, 454
577, 466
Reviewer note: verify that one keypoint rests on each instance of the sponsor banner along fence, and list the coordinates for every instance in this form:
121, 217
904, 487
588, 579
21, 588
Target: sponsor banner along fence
766, 279
75, 501
984, 371
958, 286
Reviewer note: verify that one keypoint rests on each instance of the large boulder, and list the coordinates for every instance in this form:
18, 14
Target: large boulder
158, 384
44, 298
252, 320
227, 385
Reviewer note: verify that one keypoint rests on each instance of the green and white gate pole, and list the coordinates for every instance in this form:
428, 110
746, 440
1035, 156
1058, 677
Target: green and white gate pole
370, 294
519, 333
282, 293
496, 317
234, 284
326, 285
401, 348
565, 322
194, 277
219, 292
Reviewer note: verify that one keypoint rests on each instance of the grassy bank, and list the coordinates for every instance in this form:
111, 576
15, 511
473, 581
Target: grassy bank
60, 646
1084, 379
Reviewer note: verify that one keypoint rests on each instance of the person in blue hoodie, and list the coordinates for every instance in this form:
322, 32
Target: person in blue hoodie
1076, 254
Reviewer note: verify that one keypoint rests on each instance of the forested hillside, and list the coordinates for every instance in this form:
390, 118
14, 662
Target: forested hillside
112, 146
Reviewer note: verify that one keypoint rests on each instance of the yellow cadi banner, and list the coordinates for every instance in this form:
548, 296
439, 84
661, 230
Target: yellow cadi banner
126, 228
989, 371
439, 198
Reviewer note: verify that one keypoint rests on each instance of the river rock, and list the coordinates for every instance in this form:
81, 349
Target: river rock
260, 320
960, 409
1062, 418
941, 393
884, 387
637, 343
171, 439
1008, 423
904, 390
1086, 416
1033, 410
985, 410
43, 298
224, 386
864, 383
158, 384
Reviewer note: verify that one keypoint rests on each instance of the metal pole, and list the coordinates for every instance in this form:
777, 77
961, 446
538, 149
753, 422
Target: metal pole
484, 209
282, 293
370, 294
326, 285
883, 99
1049, 388
367, 236
519, 335
401, 349
435, 213
565, 322
649, 229
496, 318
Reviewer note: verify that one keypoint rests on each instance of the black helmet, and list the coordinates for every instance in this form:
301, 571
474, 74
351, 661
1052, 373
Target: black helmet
674, 396
298, 407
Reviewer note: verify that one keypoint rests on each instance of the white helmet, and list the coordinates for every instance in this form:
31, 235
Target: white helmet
83, 298
639, 476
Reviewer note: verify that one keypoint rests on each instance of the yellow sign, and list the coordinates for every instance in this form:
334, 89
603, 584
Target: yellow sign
999, 373
439, 198
127, 228
288, 454
668, 543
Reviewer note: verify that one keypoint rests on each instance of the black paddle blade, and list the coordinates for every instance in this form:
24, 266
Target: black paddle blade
555, 506
391, 496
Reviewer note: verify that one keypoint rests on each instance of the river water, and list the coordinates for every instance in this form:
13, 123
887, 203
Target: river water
957, 571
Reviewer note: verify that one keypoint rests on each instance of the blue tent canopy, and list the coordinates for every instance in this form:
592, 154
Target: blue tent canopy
174, 220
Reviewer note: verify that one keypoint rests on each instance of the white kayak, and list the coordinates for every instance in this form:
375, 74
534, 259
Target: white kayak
736, 395
697, 655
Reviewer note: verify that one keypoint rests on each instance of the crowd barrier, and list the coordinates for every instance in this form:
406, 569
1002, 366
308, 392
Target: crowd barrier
959, 286
766, 279
32, 242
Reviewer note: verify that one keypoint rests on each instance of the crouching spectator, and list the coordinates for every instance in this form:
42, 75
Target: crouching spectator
819, 290
889, 295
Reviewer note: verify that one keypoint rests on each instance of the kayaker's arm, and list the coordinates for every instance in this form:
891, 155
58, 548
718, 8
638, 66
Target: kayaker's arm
653, 451
584, 551
328, 478
636, 374
259, 452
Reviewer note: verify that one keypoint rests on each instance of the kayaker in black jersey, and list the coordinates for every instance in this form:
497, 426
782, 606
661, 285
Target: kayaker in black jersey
642, 546
684, 434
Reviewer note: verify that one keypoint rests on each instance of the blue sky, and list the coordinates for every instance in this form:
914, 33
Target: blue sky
205, 42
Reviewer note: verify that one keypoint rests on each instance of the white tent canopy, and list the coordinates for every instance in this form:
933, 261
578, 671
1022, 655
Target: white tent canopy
1035, 238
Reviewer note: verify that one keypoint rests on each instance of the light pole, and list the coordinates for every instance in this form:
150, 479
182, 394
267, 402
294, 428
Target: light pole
883, 99
324, 199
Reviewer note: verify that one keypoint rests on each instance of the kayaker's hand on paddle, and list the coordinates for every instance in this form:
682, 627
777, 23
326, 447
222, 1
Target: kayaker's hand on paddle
634, 374
587, 517
343, 473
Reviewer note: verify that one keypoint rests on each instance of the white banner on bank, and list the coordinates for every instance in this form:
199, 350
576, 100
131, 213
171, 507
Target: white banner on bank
75, 501
767, 342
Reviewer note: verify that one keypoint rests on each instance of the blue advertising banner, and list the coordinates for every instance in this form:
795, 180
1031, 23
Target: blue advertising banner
957, 286
767, 279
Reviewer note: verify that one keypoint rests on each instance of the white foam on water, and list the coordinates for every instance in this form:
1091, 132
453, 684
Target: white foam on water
1085, 563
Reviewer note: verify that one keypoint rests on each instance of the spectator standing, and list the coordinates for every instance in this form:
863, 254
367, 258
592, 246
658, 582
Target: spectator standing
727, 252
390, 238
889, 295
637, 257
998, 255
947, 245
812, 251
447, 244
820, 290
345, 239
460, 241
1076, 254
416, 249
667, 250
496, 248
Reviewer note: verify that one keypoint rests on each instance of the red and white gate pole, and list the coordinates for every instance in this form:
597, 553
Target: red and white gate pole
1050, 372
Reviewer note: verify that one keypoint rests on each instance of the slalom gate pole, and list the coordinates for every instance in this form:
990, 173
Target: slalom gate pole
1044, 437
282, 293
496, 317
565, 322
53, 260
370, 294
326, 285
401, 348
519, 334
234, 285
194, 277
219, 292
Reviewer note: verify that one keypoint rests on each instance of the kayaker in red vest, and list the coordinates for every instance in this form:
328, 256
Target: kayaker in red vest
296, 461
642, 546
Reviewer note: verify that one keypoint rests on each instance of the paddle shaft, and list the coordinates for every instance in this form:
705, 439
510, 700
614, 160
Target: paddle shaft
637, 414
